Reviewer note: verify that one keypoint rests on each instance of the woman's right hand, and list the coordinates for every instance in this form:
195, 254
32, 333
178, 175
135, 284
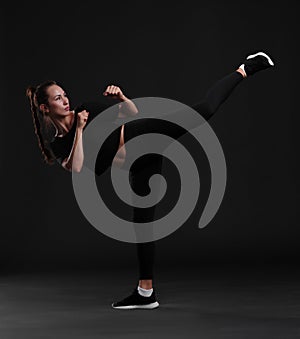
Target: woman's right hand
82, 118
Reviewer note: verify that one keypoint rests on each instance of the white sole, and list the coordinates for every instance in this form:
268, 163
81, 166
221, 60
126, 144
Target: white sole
137, 307
263, 54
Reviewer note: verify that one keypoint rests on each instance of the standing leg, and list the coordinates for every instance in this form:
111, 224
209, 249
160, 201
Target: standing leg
143, 297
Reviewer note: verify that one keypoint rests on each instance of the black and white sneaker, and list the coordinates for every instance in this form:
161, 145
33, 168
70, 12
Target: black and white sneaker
136, 301
256, 62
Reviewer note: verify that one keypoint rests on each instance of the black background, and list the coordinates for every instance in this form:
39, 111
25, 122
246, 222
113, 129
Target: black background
161, 49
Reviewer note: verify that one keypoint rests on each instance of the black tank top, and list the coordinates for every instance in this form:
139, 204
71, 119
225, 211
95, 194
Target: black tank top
62, 146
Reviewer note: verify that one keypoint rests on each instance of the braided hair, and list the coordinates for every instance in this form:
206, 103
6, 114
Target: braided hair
37, 96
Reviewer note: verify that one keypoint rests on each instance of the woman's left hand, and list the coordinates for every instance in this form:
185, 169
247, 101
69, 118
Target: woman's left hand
114, 92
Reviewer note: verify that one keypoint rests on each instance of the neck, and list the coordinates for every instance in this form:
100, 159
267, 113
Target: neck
64, 124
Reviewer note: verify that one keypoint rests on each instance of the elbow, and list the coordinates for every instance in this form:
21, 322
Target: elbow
71, 168
132, 112
76, 169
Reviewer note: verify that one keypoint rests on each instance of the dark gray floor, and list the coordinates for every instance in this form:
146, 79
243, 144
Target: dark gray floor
200, 303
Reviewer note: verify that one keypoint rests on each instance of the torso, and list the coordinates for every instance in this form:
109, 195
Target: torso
62, 145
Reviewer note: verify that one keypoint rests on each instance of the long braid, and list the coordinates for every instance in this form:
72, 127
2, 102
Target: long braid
31, 93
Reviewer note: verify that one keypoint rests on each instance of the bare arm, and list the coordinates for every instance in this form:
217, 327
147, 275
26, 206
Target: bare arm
75, 160
126, 106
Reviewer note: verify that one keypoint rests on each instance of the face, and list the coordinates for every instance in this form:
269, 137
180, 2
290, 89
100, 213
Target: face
58, 103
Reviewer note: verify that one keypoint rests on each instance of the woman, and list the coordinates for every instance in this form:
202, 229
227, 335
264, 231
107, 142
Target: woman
50, 107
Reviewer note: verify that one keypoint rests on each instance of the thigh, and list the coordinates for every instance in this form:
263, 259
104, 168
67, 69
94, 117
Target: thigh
139, 176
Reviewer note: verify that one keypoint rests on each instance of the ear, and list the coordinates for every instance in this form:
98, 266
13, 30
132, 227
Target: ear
43, 108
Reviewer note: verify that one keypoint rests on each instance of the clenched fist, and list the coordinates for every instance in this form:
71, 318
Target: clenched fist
114, 92
82, 118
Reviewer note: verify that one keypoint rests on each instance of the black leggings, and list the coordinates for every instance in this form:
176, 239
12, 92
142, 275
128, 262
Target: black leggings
215, 96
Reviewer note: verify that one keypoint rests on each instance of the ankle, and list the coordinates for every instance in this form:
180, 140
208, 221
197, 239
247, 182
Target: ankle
241, 71
146, 284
